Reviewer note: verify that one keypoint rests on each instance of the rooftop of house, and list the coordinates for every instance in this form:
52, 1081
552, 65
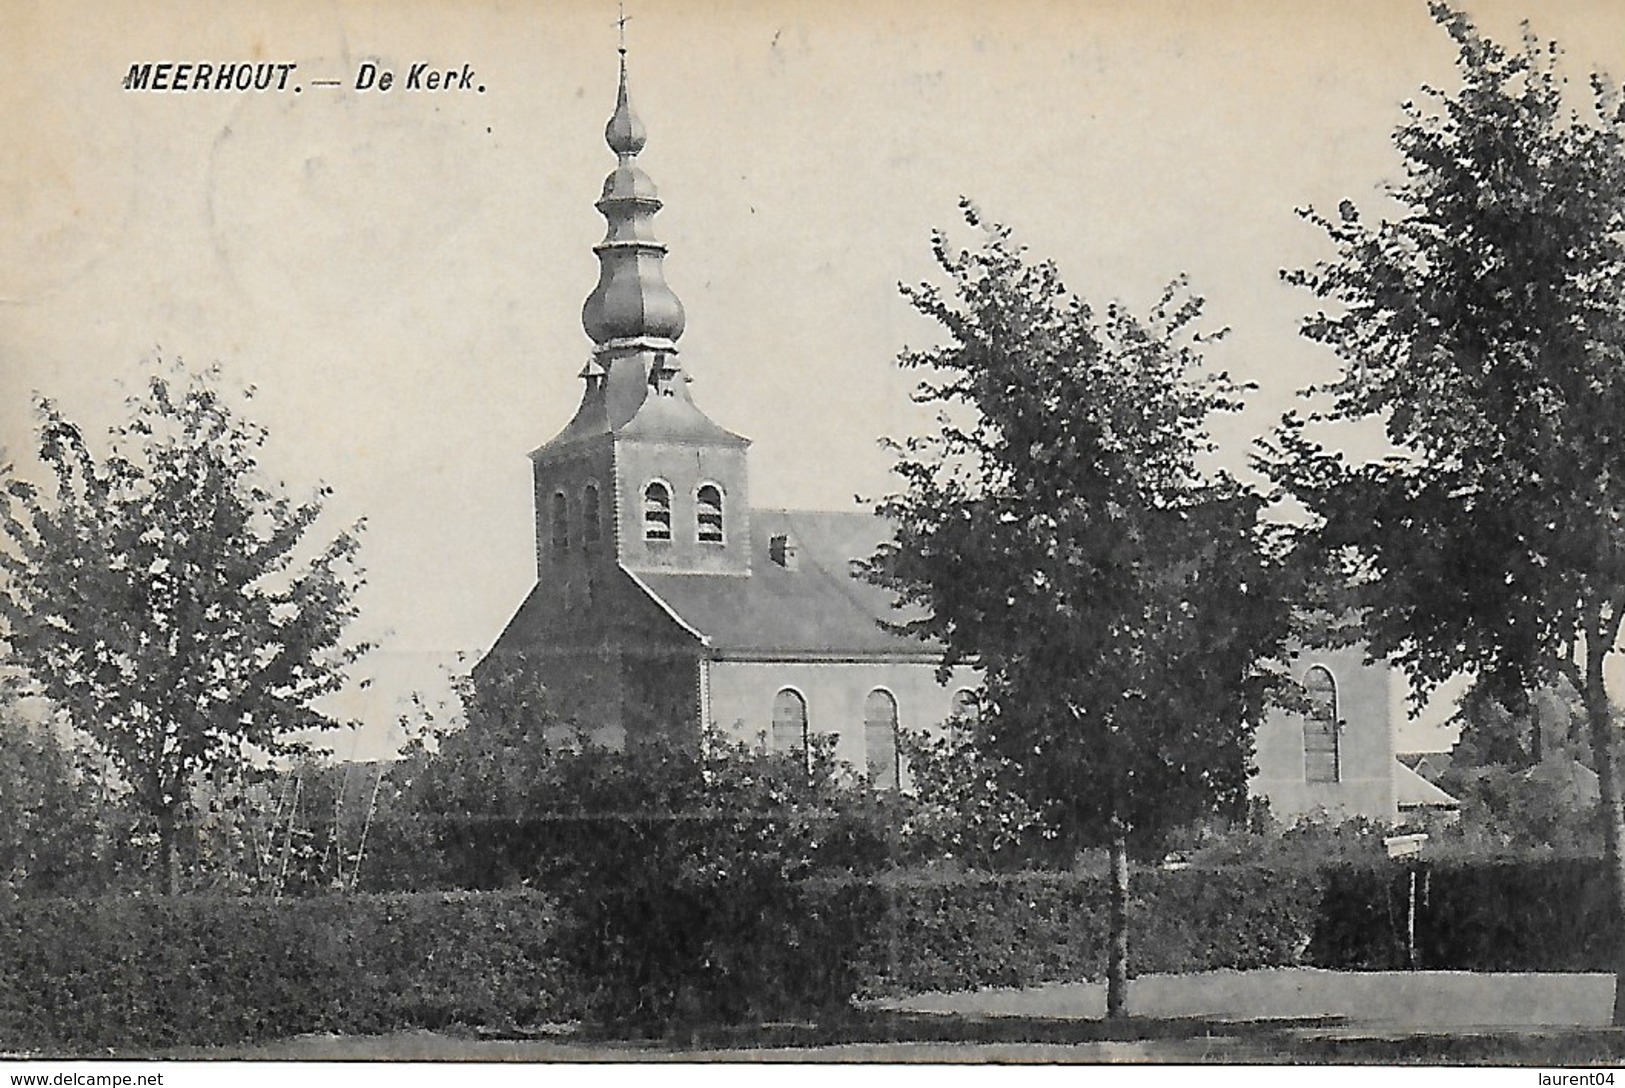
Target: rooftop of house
1412, 791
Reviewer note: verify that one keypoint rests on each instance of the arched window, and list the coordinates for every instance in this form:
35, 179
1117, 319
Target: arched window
1321, 759
962, 714
880, 738
591, 530
657, 512
789, 721
561, 520
708, 514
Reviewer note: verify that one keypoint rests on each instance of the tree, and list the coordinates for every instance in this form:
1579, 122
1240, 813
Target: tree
163, 598
1519, 729
1055, 530
680, 863
960, 807
1483, 325
48, 825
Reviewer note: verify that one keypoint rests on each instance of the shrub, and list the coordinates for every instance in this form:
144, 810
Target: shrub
1546, 914
972, 930
80, 975
969, 930
1361, 922
959, 931
1243, 918
962, 805
729, 935
677, 863
48, 819
1512, 914
682, 872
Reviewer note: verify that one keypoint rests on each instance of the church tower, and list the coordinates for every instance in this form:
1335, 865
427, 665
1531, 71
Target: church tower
639, 485
665, 605
640, 477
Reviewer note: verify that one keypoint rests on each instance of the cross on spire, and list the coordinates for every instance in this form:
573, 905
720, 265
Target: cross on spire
621, 25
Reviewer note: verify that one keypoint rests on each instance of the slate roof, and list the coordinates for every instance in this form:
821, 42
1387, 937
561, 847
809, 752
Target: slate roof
1430, 765
1574, 782
1413, 791
817, 611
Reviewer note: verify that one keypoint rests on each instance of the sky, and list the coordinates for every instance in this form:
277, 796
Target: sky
400, 274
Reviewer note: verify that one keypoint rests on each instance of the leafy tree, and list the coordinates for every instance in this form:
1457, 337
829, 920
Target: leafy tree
1519, 729
502, 789
1483, 325
960, 807
48, 818
1534, 809
1056, 531
161, 595
681, 862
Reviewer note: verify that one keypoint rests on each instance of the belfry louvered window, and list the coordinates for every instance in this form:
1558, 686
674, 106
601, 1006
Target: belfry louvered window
708, 514
657, 512
1322, 760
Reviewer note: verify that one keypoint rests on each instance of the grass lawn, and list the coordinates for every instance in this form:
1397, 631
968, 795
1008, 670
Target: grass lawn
1383, 1000
1297, 1015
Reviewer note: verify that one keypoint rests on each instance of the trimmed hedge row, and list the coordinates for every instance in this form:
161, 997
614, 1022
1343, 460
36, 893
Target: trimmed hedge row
975, 930
751, 948
1556, 915
81, 975
1544, 914
77, 976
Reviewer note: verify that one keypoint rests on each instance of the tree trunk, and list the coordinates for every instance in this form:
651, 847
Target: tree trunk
1600, 721
1117, 954
168, 875
1537, 746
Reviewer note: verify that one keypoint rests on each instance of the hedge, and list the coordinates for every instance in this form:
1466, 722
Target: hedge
957, 933
77, 976
1527, 914
975, 930
81, 975
655, 955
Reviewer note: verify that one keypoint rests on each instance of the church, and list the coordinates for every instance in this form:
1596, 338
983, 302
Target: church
665, 600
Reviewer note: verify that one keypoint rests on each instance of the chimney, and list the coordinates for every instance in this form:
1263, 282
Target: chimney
782, 550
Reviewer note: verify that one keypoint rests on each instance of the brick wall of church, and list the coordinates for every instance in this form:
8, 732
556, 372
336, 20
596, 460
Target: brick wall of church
742, 693
741, 705
564, 548
683, 469
611, 660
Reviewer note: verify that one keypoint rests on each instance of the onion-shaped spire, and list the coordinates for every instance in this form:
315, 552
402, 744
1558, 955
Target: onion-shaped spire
624, 133
631, 301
